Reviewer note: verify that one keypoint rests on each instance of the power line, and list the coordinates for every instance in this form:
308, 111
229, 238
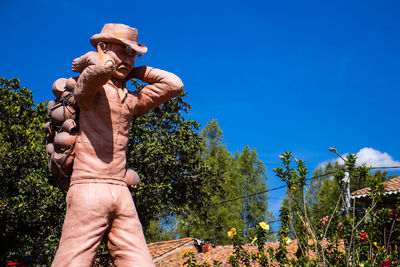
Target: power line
383, 167
283, 186
268, 190
322, 175
246, 196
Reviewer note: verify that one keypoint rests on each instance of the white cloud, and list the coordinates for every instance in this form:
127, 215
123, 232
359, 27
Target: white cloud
369, 156
373, 157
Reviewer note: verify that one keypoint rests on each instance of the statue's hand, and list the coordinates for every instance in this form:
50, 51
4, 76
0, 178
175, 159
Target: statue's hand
92, 58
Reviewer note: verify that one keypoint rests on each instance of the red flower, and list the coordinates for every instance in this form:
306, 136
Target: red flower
363, 237
385, 263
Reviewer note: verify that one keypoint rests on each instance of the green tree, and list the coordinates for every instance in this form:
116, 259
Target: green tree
215, 218
253, 177
31, 206
240, 175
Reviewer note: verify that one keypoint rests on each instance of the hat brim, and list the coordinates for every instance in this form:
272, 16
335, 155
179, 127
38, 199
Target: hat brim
140, 48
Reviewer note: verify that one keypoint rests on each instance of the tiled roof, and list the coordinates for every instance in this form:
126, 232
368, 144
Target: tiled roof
174, 255
392, 187
163, 249
222, 253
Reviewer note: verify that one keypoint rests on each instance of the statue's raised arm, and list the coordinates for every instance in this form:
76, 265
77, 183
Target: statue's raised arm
96, 69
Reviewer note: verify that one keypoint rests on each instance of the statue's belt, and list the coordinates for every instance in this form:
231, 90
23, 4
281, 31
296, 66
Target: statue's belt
98, 181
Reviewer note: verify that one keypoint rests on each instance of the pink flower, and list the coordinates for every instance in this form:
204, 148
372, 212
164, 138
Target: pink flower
385, 263
325, 220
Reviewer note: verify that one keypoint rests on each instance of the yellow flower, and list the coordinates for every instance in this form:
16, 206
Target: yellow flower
376, 244
287, 240
264, 226
254, 240
232, 233
294, 188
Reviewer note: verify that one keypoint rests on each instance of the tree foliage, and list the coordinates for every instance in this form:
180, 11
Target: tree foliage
240, 175
31, 206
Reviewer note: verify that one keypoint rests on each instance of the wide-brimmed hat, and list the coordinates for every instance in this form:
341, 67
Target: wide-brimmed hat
120, 34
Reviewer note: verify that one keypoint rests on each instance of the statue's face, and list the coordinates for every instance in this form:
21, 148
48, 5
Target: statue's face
124, 59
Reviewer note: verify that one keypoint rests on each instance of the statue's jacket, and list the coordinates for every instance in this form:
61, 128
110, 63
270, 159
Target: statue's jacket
104, 120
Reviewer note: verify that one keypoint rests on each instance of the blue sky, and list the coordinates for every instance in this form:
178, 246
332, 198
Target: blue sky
278, 76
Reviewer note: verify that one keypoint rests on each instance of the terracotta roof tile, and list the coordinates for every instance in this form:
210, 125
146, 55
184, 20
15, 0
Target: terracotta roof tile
160, 248
221, 253
392, 186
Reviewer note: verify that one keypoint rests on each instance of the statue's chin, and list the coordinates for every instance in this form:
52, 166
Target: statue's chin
119, 75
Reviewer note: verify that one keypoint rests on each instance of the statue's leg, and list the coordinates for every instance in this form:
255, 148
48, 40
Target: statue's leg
125, 241
84, 225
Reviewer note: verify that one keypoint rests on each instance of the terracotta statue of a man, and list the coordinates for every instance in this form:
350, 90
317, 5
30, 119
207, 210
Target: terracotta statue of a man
99, 204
